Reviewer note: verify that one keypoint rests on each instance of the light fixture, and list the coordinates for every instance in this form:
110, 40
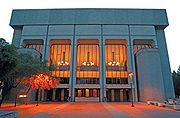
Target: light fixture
63, 62
113, 62
88, 63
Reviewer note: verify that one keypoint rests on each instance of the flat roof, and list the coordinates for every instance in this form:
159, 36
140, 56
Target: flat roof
88, 16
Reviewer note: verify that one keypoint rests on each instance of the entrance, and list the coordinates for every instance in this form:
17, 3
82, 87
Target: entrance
61, 94
82, 94
117, 95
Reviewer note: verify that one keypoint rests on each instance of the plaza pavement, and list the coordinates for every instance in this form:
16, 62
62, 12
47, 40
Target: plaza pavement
91, 110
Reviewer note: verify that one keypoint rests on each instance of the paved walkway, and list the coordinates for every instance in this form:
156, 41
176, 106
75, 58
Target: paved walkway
92, 110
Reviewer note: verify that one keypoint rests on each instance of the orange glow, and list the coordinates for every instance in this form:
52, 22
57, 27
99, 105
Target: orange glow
41, 81
87, 60
60, 51
87, 92
79, 93
95, 92
88, 53
120, 74
116, 58
22, 96
130, 73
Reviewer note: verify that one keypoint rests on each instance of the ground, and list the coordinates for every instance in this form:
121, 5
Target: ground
91, 110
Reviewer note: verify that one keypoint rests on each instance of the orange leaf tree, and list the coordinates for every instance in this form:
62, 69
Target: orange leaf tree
41, 81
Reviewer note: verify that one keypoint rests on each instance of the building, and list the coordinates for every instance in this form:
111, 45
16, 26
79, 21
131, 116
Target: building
93, 51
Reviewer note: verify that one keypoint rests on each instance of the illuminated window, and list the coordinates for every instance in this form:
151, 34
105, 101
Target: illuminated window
60, 51
87, 62
87, 92
95, 92
116, 61
79, 93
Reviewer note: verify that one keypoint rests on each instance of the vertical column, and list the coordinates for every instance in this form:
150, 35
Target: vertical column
125, 95
166, 71
42, 95
45, 52
121, 95
101, 71
72, 69
62, 94
71, 72
45, 95
131, 65
104, 68
54, 94
112, 95
17, 37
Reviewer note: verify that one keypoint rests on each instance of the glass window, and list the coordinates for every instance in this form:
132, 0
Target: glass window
116, 61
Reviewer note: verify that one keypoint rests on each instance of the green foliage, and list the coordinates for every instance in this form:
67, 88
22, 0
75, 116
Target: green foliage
176, 80
14, 67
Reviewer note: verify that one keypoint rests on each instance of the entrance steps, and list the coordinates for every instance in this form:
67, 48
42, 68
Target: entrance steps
86, 99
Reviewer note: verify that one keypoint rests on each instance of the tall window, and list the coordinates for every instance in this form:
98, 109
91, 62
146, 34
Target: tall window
87, 62
60, 60
116, 61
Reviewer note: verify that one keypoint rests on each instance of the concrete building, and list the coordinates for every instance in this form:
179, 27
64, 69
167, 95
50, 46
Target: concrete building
94, 50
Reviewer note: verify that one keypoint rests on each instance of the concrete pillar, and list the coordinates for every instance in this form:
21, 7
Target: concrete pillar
62, 94
101, 71
73, 71
121, 95
104, 69
17, 37
45, 52
125, 95
45, 95
131, 65
42, 95
72, 68
112, 95
165, 65
54, 94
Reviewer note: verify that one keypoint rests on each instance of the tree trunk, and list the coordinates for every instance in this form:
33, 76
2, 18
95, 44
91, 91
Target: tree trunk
15, 101
37, 98
3, 96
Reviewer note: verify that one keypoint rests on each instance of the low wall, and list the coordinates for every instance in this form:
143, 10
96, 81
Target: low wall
8, 114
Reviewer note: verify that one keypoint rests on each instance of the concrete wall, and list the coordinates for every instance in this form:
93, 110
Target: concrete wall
89, 16
166, 70
17, 37
150, 78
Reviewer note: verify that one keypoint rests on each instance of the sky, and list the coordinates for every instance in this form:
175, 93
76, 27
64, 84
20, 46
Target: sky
172, 7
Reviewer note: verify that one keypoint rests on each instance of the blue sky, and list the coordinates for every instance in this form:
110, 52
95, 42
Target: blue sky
172, 7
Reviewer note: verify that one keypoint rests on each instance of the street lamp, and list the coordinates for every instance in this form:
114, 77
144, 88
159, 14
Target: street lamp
131, 81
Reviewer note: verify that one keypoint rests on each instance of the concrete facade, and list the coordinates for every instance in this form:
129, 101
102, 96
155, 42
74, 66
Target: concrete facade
136, 27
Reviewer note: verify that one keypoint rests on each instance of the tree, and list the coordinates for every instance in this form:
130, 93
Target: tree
41, 82
176, 81
16, 67
8, 63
